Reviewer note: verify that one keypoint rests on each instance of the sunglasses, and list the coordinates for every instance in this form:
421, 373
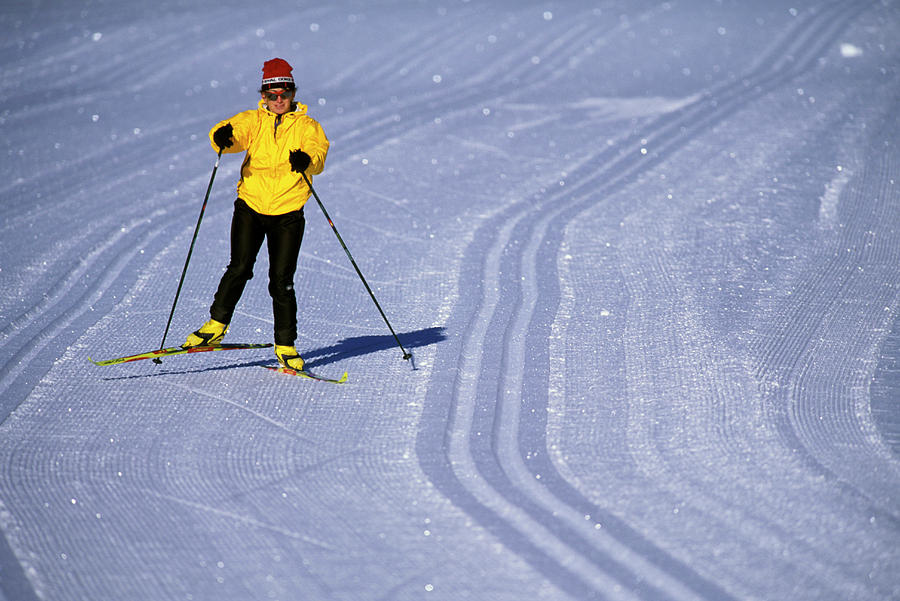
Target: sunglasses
276, 95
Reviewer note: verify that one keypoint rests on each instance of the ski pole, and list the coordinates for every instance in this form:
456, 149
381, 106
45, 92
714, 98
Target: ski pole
212, 177
406, 355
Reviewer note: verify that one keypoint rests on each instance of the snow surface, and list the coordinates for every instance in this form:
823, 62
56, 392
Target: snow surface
646, 255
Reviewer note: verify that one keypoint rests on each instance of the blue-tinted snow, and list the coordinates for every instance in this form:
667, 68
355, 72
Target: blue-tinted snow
645, 253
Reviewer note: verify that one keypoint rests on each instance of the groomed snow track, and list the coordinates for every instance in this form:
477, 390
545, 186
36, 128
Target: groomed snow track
646, 255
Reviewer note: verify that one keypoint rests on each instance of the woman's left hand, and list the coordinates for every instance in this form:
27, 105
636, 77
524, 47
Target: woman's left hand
299, 160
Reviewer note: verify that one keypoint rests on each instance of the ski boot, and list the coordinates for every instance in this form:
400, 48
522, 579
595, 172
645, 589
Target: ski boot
209, 334
288, 357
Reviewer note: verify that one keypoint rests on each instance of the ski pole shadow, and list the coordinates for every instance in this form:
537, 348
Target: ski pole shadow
357, 346
196, 370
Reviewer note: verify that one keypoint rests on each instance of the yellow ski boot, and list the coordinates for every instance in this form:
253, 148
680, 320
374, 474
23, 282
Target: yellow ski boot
288, 357
209, 334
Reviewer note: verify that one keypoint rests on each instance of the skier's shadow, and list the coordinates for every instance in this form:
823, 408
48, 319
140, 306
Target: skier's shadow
364, 345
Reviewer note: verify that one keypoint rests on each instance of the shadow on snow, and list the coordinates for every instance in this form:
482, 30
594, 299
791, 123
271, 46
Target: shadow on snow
363, 345
347, 348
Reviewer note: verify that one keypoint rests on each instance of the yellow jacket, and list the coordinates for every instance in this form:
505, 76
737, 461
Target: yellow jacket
267, 183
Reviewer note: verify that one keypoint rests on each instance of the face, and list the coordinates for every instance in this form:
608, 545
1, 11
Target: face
278, 100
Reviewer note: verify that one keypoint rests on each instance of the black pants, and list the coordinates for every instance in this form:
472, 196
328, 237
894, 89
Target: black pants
284, 233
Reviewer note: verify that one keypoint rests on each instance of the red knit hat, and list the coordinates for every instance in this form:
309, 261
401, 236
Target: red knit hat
277, 74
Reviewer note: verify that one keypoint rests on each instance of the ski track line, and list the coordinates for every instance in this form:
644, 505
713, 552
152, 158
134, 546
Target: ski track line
60, 308
373, 67
107, 227
50, 206
540, 542
28, 351
302, 469
665, 280
804, 320
397, 203
411, 61
460, 453
417, 110
123, 64
511, 377
455, 455
559, 53
68, 173
850, 256
121, 263
510, 453
119, 236
520, 332
62, 287
655, 453
791, 360
447, 102
411, 114
265, 418
243, 519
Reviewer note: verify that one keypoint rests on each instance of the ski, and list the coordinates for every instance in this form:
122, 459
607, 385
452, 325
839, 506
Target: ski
306, 374
180, 350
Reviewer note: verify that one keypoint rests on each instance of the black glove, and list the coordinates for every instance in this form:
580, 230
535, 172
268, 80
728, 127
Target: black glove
222, 136
299, 161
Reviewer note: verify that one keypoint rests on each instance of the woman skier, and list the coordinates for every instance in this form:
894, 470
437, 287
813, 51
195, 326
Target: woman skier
282, 142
